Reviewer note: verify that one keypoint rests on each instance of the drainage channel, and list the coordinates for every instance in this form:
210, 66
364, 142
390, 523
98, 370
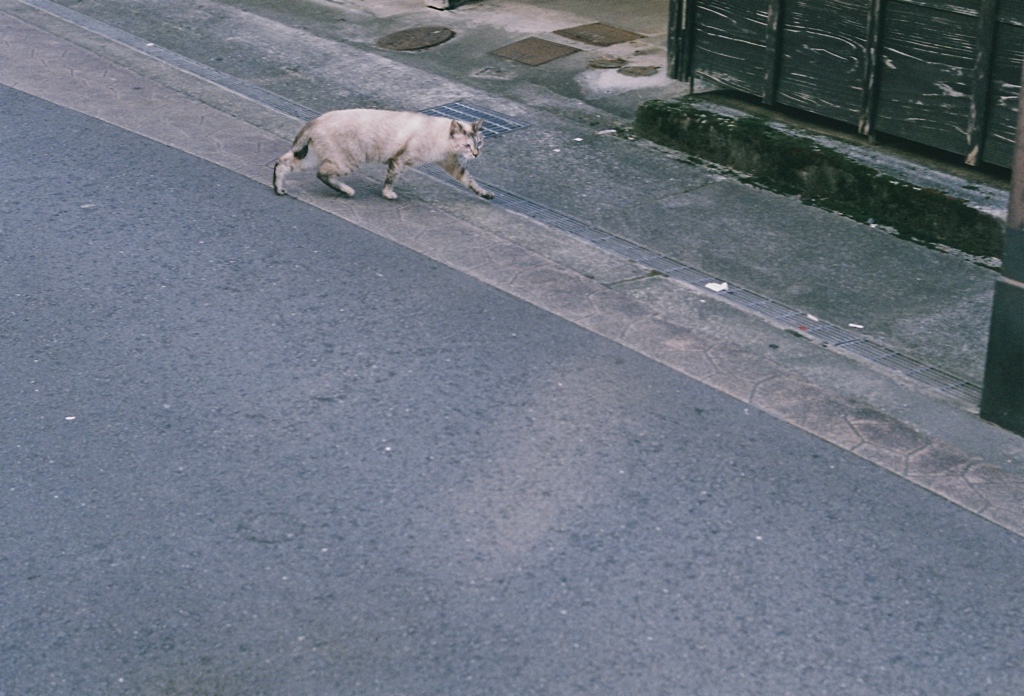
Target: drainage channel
835, 337
838, 338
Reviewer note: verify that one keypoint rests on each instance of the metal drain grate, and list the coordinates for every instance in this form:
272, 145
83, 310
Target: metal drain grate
494, 124
915, 369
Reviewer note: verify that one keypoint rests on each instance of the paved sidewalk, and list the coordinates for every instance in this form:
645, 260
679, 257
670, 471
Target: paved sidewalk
927, 439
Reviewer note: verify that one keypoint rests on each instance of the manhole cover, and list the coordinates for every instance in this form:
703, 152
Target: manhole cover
598, 34
639, 70
534, 51
415, 38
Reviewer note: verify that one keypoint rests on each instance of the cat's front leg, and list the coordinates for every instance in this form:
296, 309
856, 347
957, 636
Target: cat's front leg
395, 167
475, 188
453, 166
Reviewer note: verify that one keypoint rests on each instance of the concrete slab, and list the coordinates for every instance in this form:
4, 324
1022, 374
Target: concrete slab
534, 51
599, 34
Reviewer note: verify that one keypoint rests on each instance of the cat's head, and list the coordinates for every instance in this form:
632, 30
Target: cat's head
467, 138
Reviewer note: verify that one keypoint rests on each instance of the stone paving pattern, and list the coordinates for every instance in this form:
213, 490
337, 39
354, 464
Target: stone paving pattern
53, 68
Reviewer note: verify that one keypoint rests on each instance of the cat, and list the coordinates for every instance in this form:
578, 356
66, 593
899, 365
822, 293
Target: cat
341, 141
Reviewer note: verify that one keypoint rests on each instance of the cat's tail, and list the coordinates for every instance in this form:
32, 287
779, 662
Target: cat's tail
300, 146
292, 159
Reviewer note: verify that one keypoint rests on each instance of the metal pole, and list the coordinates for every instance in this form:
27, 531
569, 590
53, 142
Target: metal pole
1002, 398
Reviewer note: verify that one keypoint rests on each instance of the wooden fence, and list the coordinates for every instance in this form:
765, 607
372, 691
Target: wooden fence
944, 73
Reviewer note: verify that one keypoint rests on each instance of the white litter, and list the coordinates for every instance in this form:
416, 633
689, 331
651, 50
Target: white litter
579, 140
608, 131
717, 287
856, 326
812, 317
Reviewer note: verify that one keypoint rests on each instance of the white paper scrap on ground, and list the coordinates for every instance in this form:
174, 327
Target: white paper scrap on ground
856, 326
717, 287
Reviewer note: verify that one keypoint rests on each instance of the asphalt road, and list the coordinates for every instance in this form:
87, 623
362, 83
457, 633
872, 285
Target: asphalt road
248, 448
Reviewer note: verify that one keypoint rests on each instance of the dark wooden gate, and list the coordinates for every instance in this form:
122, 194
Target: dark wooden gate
945, 73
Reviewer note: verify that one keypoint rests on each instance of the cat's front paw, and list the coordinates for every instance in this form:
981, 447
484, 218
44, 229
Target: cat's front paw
390, 195
485, 194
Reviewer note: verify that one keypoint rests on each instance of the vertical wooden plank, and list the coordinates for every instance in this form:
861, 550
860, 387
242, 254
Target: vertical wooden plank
982, 78
928, 52
821, 61
772, 41
1004, 85
690, 28
681, 37
872, 61
729, 49
689, 18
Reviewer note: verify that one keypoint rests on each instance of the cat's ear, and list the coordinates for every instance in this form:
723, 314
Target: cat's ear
478, 126
456, 128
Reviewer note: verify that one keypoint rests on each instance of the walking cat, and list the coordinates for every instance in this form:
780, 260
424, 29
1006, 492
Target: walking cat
340, 141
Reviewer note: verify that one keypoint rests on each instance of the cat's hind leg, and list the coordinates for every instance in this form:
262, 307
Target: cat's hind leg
453, 166
330, 173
